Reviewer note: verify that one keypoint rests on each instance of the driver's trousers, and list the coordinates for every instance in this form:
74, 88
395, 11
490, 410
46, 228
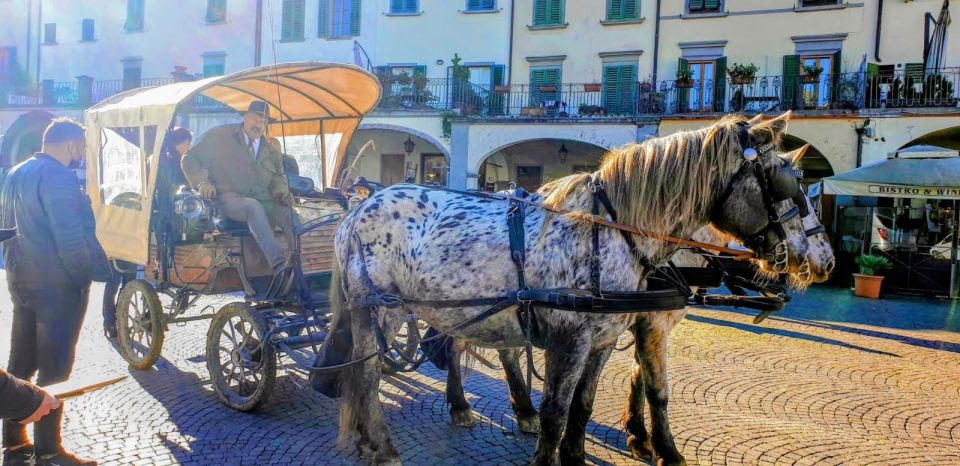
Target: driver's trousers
250, 211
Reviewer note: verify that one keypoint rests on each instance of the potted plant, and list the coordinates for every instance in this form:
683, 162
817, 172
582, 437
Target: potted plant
811, 73
742, 74
501, 89
547, 88
867, 282
684, 78
591, 87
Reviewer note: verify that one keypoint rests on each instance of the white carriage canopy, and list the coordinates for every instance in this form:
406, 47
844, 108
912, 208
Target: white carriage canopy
323, 100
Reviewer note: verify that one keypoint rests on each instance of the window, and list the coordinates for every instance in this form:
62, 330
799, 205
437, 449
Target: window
339, 18
8, 63
620, 88
434, 169
50, 33
135, 13
121, 168
214, 64
132, 73
291, 27
697, 95
86, 31
481, 5
216, 11
622, 10
544, 86
704, 6
816, 3
547, 12
404, 7
815, 88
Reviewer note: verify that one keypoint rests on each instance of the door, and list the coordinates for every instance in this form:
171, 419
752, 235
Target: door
529, 178
701, 95
816, 89
391, 169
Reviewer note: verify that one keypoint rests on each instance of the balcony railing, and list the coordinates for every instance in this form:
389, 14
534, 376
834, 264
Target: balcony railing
841, 92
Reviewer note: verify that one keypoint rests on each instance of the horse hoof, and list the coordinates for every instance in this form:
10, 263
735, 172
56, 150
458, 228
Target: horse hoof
676, 462
641, 449
463, 418
388, 462
529, 425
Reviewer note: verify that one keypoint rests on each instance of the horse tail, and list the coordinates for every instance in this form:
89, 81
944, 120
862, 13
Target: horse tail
337, 348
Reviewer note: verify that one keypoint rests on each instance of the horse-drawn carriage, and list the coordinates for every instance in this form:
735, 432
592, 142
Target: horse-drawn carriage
182, 247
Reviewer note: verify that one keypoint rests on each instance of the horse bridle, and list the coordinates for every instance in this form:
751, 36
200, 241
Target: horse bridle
782, 184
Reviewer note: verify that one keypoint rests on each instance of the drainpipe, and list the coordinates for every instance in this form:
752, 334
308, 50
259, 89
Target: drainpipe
29, 36
876, 50
39, 38
258, 34
513, 5
861, 131
656, 46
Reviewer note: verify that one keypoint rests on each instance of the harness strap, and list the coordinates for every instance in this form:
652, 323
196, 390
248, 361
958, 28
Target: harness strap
609, 302
597, 187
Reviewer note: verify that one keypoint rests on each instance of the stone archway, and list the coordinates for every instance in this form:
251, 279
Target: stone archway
387, 160
23, 138
531, 163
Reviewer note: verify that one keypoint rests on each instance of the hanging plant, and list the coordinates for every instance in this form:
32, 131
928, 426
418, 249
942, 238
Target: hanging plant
684, 78
742, 74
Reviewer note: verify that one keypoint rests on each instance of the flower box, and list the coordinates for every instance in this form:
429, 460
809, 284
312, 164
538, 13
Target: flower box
684, 83
501, 89
547, 88
593, 87
810, 78
742, 80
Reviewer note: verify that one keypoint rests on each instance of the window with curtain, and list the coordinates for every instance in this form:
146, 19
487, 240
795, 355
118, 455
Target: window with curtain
216, 11
86, 31
704, 6
547, 12
135, 16
481, 5
344, 18
404, 7
622, 10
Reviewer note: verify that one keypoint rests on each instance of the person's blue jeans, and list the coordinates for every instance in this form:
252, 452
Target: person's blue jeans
43, 341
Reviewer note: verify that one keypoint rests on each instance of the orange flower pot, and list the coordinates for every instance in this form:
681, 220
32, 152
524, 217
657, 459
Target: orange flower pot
867, 286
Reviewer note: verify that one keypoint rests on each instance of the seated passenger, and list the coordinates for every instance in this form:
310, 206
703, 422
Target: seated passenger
241, 168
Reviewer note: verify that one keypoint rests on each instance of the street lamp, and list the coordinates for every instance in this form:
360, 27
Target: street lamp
408, 146
563, 153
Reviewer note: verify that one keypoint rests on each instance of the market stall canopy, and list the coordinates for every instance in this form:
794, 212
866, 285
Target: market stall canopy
916, 172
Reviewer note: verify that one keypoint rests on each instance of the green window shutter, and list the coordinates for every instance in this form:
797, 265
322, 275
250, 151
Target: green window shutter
420, 70
215, 69
404, 6
614, 10
497, 74
619, 88
630, 10
791, 81
323, 19
354, 17
547, 12
555, 14
135, 12
835, 76
683, 95
539, 12
711, 4
481, 5
872, 99
292, 20
719, 84
696, 5
913, 72
543, 77
216, 11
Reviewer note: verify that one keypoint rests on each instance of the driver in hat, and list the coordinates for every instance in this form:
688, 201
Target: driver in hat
242, 168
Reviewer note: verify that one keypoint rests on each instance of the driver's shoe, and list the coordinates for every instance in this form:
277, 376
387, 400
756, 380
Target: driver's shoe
23, 456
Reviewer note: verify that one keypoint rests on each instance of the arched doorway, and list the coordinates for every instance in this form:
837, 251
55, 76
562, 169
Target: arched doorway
530, 164
23, 138
396, 155
814, 164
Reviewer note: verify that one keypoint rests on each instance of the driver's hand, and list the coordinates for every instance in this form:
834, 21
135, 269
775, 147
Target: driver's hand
284, 198
207, 190
48, 404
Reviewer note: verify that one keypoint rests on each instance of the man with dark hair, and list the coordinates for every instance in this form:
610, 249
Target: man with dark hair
49, 269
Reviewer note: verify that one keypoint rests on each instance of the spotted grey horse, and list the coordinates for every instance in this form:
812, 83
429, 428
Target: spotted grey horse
420, 246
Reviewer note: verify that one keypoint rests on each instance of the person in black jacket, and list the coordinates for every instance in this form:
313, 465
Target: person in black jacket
49, 270
22, 401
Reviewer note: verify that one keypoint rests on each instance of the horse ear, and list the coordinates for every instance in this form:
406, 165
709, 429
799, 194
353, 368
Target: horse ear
795, 155
771, 131
755, 120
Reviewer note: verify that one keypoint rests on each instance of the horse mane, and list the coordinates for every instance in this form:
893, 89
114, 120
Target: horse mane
663, 183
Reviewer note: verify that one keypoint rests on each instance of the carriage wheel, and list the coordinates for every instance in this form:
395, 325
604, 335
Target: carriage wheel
242, 366
140, 324
406, 342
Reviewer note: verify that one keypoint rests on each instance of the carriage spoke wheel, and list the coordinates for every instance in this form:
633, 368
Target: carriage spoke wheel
405, 347
242, 366
140, 324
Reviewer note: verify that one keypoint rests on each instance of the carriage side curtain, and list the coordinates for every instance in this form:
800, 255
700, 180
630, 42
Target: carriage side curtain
719, 84
547, 12
791, 81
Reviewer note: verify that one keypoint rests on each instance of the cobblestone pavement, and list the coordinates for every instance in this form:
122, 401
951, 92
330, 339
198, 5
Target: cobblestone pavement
832, 380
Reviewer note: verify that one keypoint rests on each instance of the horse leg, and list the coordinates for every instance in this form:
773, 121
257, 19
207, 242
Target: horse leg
565, 365
360, 407
639, 440
527, 417
571, 447
652, 349
460, 412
